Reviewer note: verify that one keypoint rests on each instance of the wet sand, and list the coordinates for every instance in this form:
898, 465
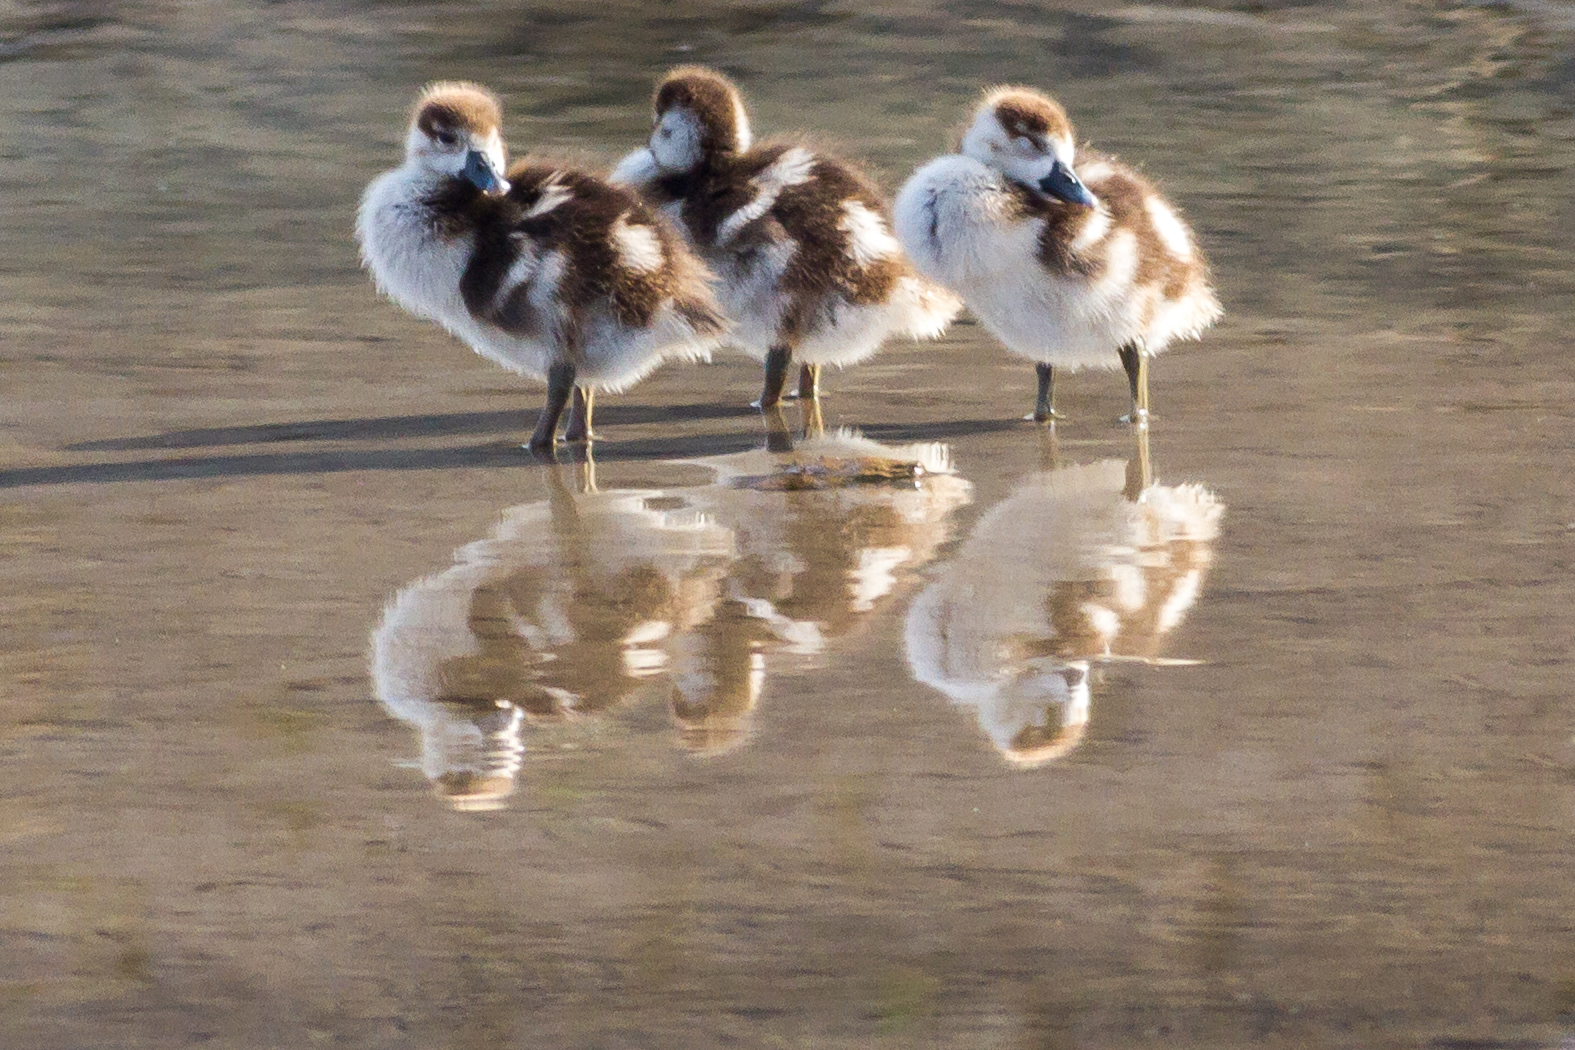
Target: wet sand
1334, 809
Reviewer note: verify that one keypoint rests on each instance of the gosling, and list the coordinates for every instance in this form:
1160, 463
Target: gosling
1069, 267
808, 267
551, 272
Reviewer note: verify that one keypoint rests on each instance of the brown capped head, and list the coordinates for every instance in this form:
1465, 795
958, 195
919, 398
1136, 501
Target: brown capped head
1041, 744
470, 792
1028, 113
718, 670
713, 708
1027, 137
456, 130
699, 115
1039, 715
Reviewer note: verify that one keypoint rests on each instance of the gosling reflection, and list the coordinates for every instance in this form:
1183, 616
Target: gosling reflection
560, 613
579, 601
826, 530
829, 529
718, 671
1079, 565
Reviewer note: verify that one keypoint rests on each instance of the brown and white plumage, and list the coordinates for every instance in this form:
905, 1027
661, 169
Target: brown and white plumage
564, 611
1078, 565
1070, 257
831, 532
551, 272
578, 603
801, 241
826, 537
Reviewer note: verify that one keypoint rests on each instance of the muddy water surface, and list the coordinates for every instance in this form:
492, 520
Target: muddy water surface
330, 718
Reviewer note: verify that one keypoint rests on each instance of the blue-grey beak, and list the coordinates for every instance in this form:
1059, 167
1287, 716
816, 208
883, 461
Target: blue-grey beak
1063, 185
479, 170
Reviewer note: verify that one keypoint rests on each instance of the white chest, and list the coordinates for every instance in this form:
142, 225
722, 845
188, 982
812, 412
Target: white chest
954, 218
411, 262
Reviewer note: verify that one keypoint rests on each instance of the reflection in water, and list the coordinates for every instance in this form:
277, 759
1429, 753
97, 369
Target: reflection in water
827, 530
719, 669
559, 613
1078, 565
826, 533
578, 601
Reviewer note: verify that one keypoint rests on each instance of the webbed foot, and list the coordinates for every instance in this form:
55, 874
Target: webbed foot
542, 451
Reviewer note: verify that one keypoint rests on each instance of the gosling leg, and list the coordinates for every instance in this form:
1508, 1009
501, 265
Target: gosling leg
1136, 364
1140, 473
809, 383
560, 385
579, 430
778, 439
1049, 449
1044, 407
777, 362
814, 422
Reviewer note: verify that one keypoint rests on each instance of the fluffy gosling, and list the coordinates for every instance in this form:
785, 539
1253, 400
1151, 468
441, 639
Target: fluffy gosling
551, 272
809, 269
1070, 268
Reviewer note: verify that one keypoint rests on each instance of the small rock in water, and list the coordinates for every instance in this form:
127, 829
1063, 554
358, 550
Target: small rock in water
833, 473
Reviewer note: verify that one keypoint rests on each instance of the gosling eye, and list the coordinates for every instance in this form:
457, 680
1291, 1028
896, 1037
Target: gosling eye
665, 133
447, 138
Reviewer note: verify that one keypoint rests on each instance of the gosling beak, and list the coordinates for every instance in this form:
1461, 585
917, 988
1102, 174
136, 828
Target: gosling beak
1063, 185
485, 177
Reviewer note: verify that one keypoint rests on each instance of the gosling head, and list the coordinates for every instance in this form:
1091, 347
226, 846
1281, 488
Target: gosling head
456, 131
699, 115
1041, 714
1028, 138
717, 673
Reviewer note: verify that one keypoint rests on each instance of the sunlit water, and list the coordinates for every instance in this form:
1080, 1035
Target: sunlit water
330, 718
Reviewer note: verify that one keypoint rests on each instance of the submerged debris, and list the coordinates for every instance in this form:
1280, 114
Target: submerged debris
830, 472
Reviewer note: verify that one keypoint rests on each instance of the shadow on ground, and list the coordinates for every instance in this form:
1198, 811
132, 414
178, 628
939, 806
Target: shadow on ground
393, 428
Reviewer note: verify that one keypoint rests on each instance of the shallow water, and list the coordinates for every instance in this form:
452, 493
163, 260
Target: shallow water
760, 774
